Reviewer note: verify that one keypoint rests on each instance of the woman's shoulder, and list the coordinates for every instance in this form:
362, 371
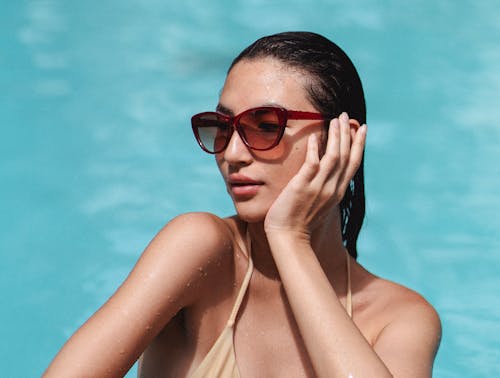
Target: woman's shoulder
200, 238
187, 221
190, 249
198, 231
400, 311
401, 299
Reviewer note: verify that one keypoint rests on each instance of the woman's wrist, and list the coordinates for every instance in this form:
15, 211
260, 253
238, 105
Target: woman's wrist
287, 239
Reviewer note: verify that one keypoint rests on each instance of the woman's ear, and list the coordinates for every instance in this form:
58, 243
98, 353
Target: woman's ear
354, 127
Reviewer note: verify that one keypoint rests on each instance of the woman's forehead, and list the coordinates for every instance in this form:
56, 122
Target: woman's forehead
264, 81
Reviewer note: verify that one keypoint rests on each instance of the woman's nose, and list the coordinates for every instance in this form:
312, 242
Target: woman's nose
236, 151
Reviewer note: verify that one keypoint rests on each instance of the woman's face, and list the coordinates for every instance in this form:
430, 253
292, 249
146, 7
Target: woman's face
254, 179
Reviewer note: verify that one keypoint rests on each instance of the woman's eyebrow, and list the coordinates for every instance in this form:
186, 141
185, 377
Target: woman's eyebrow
222, 109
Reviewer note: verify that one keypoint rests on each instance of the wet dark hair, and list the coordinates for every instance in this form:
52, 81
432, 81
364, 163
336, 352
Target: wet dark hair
334, 87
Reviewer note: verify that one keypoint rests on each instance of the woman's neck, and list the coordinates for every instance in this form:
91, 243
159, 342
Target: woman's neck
326, 242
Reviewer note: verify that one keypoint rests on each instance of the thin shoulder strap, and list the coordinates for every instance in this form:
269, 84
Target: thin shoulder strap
348, 303
244, 285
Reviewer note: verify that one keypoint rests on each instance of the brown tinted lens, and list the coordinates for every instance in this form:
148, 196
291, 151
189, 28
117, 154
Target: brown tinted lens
213, 131
260, 127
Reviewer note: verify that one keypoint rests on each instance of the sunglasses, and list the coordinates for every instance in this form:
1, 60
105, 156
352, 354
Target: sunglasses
259, 128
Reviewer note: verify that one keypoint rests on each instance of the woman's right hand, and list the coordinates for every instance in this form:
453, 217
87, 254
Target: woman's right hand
321, 182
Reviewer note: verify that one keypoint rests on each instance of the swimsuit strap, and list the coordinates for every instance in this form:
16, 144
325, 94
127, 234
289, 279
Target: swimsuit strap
248, 275
348, 301
244, 285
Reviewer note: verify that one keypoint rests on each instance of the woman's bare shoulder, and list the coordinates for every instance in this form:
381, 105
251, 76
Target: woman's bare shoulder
389, 294
196, 238
173, 272
405, 321
185, 250
200, 236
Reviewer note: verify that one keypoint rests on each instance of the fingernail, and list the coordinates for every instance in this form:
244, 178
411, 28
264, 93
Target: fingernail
344, 116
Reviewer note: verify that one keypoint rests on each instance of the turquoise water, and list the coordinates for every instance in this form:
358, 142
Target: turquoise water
96, 152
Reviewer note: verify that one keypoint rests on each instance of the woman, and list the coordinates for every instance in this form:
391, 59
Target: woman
274, 291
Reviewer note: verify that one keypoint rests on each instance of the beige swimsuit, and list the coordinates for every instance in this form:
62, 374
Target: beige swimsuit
220, 361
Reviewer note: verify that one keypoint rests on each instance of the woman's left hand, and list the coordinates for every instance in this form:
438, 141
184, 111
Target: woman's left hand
321, 182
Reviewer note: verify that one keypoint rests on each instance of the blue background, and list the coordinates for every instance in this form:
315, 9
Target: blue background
96, 151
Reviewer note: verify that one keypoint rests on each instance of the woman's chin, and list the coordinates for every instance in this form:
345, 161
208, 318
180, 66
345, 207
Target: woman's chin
250, 214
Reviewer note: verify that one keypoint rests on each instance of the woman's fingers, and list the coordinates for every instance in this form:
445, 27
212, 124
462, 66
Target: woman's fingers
338, 148
342, 157
357, 148
322, 180
310, 168
330, 159
345, 141
330, 174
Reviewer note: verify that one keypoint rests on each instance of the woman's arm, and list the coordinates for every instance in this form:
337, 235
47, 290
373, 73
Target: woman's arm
164, 280
406, 346
336, 347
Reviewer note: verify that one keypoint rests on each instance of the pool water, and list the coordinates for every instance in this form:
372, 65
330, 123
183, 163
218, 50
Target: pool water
96, 152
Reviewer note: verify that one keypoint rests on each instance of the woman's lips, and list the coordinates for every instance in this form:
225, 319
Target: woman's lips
242, 186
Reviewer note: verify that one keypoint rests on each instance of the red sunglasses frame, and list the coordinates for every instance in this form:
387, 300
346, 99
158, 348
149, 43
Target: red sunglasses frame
283, 116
